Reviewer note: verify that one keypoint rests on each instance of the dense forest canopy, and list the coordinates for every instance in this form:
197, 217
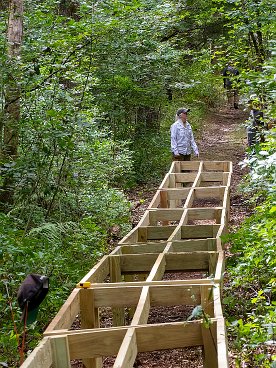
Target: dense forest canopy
88, 91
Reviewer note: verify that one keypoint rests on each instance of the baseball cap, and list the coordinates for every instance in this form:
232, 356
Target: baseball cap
180, 111
30, 294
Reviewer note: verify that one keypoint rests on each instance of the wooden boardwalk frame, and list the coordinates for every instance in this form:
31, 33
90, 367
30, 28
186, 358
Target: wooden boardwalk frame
179, 234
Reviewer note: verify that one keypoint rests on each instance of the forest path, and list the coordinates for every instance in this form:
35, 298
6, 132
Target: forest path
222, 138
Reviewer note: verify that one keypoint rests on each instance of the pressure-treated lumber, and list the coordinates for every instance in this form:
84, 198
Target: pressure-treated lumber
178, 235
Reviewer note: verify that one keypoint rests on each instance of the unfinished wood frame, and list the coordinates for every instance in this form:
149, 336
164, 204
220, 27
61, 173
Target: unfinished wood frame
179, 233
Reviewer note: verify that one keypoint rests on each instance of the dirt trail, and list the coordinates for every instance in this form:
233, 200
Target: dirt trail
223, 138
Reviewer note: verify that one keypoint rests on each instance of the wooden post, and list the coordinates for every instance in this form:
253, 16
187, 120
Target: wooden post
208, 332
60, 352
89, 319
115, 276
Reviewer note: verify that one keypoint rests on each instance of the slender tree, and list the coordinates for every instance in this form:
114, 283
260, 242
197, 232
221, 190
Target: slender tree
11, 116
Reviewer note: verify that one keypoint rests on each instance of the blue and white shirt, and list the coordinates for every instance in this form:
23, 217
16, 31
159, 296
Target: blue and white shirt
182, 139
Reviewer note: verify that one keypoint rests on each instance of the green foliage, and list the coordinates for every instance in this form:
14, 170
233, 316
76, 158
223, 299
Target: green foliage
250, 296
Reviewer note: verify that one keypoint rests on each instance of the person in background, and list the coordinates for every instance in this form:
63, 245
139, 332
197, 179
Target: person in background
230, 84
182, 138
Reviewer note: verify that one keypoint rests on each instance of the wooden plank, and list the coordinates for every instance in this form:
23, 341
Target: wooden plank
185, 177
206, 281
60, 352
116, 251
210, 357
144, 248
99, 272
190, 165
40, 357
220, 265
212, 176
215, 192
156, 200
158, 269
131, 237
67, 313
116, 276
168, 336
166, 181
135, 262
116, 296
197, 178
208, 331
216, 165
226, 179
176, 193
199, 231
174, 295
205, 213
159, 232
160, 214
222, 348
101, 342
128, 351
217, 301
163, 199
89, 319
142, 311
142, 234
190, 199
213, 259
190, 245
149, 338
188, 261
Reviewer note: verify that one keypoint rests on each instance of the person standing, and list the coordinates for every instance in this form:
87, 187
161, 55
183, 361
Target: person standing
230, 83
182, 138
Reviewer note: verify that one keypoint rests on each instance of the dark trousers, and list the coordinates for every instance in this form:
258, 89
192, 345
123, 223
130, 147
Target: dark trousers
181, 157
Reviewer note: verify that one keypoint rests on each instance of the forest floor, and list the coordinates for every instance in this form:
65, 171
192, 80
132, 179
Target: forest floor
223, 138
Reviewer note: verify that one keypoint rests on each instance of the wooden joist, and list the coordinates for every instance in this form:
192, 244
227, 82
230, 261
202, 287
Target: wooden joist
178, 235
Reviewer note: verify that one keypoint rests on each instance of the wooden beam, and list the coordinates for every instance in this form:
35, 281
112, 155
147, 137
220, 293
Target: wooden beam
67, 313
191, 245
199, 231
128, 351
41, 356
116, 276
89, 319
60, 352
158, 269
144, 248
222, 348
99, 272
142, 311
188, 261
149, 338
185, 177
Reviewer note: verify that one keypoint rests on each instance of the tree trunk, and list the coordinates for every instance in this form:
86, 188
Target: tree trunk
11, 114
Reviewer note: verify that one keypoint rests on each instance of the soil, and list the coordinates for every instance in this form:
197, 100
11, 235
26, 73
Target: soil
223, 138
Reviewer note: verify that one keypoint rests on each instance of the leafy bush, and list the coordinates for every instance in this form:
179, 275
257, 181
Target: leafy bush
250, 291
